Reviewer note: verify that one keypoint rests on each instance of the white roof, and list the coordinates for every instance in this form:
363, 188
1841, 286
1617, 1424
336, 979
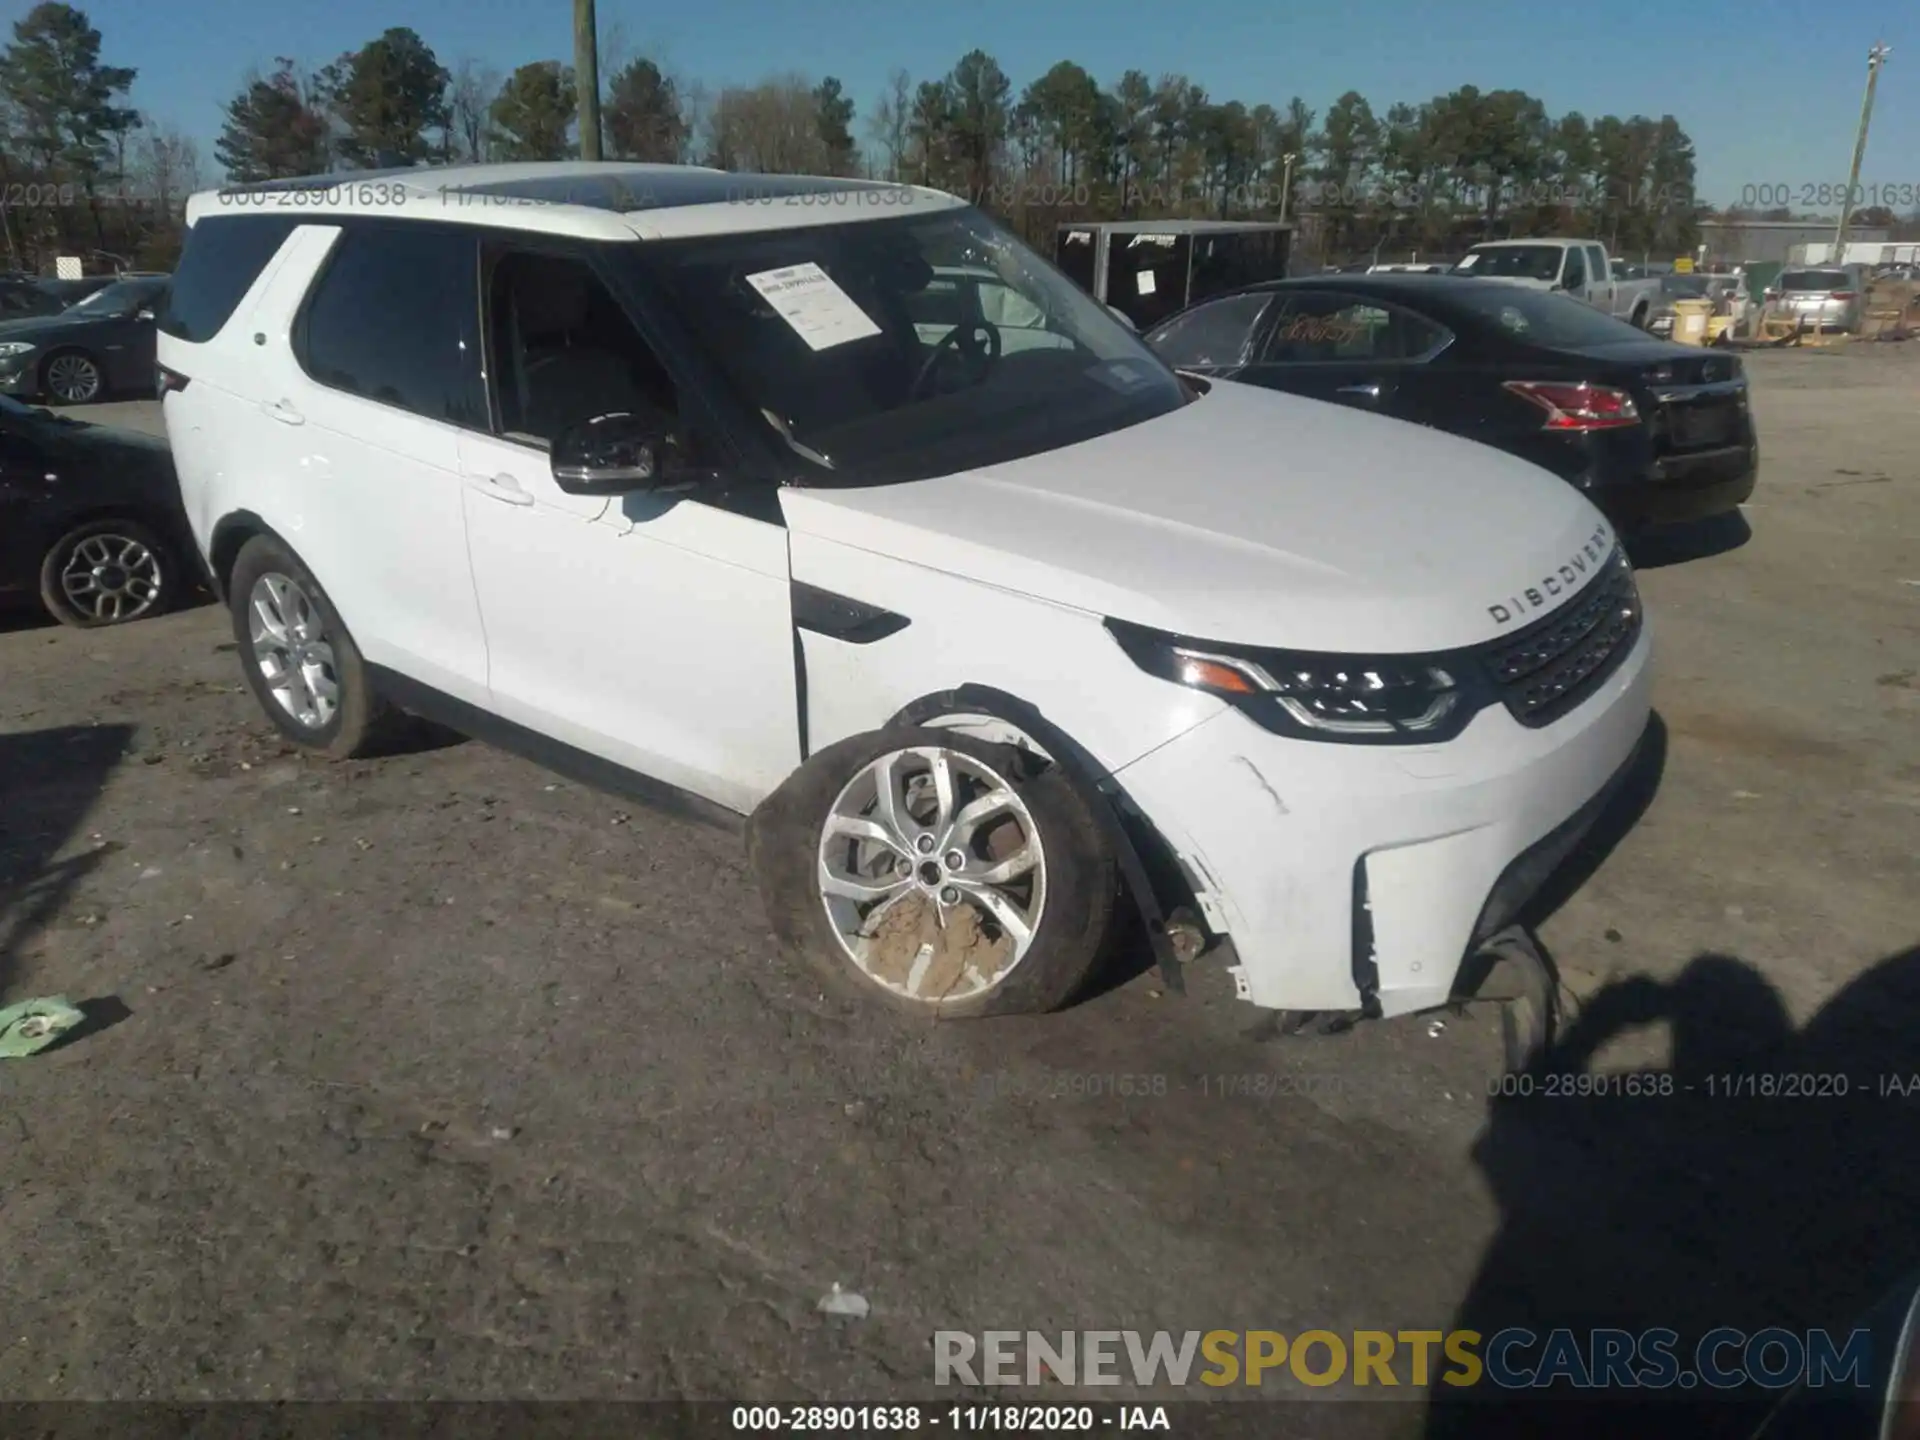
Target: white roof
599, 200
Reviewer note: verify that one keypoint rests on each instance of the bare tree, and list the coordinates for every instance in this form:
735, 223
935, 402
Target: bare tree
696, 112
470, 96
771, 127
166, 169
890, 127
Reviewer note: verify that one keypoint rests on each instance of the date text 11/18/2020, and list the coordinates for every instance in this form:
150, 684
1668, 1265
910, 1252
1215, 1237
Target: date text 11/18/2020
956, 1419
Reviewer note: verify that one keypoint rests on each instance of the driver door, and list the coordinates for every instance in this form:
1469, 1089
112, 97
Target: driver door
650, 630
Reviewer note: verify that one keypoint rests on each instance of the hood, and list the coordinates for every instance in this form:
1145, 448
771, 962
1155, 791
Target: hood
1248, 516
33, 327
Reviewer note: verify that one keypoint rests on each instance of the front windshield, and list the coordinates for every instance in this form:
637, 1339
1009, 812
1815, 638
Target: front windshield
1538, 318
123, 297
910, 346
1515, 262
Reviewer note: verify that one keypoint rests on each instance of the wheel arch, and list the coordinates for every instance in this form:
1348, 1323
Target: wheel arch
1154, 874
230, 535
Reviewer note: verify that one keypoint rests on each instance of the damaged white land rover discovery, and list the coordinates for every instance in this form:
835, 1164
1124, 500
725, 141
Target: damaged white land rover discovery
827, 504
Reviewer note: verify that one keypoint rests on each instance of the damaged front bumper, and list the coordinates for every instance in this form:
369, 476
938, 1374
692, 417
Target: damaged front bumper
1360, 877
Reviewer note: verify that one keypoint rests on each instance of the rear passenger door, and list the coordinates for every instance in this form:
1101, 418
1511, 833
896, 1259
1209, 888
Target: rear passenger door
1350, 349
359, 417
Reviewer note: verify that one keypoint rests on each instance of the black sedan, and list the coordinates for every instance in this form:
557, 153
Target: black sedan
101, 344
90, 519
1652, 432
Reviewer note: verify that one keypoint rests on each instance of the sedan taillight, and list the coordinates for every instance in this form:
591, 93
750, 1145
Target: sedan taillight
1840, 295
1577, 407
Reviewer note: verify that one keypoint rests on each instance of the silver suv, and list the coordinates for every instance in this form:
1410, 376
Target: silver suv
1826, 297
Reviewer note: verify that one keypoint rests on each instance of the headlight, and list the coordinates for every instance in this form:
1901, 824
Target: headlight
15, 347
1389, 699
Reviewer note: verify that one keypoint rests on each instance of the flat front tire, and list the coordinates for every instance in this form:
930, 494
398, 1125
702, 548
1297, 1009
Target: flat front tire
299, 659
937, 874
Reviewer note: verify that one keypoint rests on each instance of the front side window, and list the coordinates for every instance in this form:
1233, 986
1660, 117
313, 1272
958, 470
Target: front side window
905, 347
563, 350
1576, 273
121, 300
394, 318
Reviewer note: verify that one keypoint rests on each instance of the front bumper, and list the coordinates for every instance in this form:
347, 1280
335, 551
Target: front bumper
1359, 877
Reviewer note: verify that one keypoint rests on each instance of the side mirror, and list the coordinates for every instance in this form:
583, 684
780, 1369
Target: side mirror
613, 454
1124, 318
143, 315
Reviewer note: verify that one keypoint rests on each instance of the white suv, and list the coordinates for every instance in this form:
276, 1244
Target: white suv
679, 480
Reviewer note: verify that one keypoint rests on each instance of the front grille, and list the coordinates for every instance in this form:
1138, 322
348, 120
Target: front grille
1555, 663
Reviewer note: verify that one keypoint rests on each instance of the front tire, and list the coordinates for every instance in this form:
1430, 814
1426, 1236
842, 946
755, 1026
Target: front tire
108, 572
937, 874
72, 377
299, 659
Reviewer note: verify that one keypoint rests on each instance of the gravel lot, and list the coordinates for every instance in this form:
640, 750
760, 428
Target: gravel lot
437, 1077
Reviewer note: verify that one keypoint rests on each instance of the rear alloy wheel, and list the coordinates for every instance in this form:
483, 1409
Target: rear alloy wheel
73, 378
106, 572
299, 660
939, 874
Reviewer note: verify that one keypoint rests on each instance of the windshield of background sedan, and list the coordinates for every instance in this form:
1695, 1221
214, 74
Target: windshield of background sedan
1540, 318
123, 297
908, 347
1515, 262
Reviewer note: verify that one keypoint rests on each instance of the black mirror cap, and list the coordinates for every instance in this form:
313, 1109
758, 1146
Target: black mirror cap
616, 454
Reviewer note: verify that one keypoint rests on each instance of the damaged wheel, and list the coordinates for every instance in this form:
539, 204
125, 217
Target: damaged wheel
939, 874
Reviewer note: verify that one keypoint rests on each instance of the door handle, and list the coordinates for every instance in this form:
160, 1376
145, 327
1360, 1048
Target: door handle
1371, 390
503, 488
284, 412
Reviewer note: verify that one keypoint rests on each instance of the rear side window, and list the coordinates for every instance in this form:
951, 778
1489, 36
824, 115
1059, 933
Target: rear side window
224, 255
395, 317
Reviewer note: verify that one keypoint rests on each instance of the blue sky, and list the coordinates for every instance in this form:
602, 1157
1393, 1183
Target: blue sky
1768, 89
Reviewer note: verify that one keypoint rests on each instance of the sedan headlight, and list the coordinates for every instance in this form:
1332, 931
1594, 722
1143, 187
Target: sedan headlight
1389, 699
15, 347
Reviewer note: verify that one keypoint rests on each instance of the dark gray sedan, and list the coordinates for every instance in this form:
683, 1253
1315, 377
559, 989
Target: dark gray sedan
102, 344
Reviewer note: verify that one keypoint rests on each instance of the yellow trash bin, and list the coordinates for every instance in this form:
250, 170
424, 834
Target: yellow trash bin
1690, 321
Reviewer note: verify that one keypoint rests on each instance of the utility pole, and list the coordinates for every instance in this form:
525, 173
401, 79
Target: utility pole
586, 77
1286, 183
1876, 57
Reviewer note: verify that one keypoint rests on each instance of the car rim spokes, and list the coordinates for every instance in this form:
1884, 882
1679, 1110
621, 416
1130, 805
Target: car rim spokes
73, 378
291, 648
932, 874
111, 577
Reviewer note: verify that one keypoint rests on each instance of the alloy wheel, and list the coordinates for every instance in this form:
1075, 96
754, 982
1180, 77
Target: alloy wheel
932, 873
73, 379
291, 649
109, 578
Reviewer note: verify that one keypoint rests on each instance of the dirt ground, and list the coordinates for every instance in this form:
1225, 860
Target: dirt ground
437, 1077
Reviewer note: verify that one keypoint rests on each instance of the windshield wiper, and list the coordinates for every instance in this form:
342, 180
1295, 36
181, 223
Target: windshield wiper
806, 452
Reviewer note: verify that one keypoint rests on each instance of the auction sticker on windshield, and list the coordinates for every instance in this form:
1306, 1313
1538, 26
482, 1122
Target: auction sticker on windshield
820, 312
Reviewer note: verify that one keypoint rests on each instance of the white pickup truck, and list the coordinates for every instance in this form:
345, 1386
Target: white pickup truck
1579, 267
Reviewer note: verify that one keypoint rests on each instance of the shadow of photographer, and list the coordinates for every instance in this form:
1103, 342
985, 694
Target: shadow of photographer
1765, 1177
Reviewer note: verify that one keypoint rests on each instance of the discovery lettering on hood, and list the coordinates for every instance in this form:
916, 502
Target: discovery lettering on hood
1564, 581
